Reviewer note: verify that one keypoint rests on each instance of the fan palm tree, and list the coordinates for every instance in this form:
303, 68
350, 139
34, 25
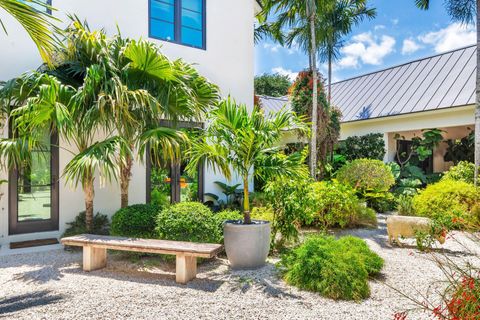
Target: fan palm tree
466, 11
38, 24
238, 141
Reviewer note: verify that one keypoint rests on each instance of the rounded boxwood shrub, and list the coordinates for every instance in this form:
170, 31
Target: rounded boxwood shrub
366, 175
463, 171
337, 269
136, 221
448, 200
189, 221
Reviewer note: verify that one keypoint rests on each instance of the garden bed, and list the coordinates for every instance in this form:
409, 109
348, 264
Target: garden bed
51, 285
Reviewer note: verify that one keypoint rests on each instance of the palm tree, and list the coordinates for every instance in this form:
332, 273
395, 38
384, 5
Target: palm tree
336, 23
38, 24
239, 141
466, 11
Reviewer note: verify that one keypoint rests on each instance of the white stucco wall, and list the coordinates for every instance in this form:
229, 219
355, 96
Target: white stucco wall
228, 61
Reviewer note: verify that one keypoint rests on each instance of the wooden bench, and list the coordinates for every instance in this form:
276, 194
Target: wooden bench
95, 251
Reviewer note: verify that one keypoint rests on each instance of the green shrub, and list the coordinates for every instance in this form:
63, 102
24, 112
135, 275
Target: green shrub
291, 206
337, 269
405, 205
463, 171
448, 200
262, 213
366, 176
364, 216
369, 146
225, 215
332, 204
383, 202
79, 225
136, 221
189, 221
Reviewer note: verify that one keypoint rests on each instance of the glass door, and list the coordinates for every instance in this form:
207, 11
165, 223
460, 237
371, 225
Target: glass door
33, 191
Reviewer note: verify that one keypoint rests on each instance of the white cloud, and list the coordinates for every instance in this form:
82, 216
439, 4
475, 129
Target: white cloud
366, 48
272, 47
395, 21
452, 37
410, 46
292, 75
379, 27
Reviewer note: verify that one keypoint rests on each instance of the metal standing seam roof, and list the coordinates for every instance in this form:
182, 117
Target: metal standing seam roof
441, 81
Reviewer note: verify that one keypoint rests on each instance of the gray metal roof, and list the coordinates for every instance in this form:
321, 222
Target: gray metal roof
441, 81
274, 104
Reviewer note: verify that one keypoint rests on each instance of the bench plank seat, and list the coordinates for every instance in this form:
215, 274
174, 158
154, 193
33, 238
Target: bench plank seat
95, 248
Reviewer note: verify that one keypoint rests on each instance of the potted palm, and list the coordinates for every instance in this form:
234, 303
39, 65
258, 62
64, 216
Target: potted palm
244, 143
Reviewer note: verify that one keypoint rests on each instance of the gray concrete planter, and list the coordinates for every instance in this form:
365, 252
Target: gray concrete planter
247, 245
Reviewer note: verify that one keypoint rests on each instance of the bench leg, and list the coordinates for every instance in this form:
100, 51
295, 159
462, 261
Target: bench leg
186, 268
94, 258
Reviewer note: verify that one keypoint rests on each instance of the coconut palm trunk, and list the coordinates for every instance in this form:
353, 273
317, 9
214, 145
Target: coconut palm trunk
246, 201
477, 108
125, 176
313, 142
89, 195
330, 58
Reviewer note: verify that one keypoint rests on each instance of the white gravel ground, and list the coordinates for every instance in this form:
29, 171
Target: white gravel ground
51, 285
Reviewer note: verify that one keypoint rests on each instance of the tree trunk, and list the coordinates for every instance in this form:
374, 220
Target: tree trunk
313, 142
246, 201
477, 108
329, 78
89, 194
125, 175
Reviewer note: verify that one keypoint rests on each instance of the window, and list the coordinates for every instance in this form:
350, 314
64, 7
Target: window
38, 6
33, 190
179, 21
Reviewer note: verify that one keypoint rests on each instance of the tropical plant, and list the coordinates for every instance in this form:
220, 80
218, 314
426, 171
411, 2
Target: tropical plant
231, 193
273, 85
463, 171
466, 11
100, 225
369, 146
336, 269
461, 149
39, 24
240, 141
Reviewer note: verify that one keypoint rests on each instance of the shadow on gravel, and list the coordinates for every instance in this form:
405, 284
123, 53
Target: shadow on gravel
26, 301
40, 276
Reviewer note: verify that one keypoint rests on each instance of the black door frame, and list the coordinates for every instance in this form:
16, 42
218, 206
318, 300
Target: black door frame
21, 227
175, 168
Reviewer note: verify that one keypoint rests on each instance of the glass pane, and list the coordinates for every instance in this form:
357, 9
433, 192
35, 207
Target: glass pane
36, 5
191, 19
192, 37
162, 11
162, 30
160, 192
194, 5
34, 188
188, 185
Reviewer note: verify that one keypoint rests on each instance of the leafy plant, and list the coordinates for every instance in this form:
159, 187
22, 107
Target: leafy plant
448, 199
405, 205
263, 213
232, 195
337, 269
135, 221
463, 171
78, 226
273, 85
225, 215
370, 146
238, 140
368, 177
461, 149
332, 204
189, 221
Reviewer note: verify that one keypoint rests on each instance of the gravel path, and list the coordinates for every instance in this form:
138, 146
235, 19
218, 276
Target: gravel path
51, 285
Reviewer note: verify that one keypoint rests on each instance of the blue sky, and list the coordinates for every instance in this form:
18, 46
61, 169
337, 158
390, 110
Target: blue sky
400, 33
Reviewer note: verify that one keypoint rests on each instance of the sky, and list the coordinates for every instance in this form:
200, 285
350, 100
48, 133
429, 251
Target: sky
400, 33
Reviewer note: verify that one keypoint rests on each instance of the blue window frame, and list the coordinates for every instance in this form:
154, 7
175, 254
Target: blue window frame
178, 21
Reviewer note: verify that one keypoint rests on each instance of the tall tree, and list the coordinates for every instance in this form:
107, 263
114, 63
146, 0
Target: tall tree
466, 11
273, 85
37, 23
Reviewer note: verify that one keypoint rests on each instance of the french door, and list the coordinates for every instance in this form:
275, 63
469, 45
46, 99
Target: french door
33, 191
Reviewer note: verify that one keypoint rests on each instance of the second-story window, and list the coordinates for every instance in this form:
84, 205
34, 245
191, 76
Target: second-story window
179, 21
38, 6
